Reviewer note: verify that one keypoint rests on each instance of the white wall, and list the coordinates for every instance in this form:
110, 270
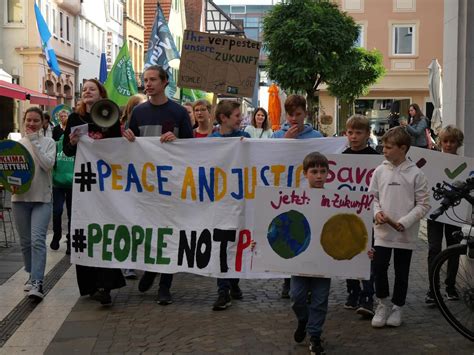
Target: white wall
92, 30
115, 28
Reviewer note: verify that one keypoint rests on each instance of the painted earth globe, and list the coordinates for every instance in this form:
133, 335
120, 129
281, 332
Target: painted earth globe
289, 234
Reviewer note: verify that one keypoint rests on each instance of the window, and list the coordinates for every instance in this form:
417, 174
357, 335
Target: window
46, 12
14, 11
360, 39
94, 39
87, 36
252, 33
53, 19
68, 33
252, 22
61, 25
82, 35
100, 39
135, 57
403, 39
140, 58
238, 9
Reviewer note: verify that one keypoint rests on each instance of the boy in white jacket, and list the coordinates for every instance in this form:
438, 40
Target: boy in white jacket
401, 200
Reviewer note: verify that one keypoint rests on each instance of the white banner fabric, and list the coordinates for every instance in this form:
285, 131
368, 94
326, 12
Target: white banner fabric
313, 232
185, 206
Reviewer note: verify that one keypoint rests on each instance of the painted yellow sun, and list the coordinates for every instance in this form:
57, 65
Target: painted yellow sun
344, 236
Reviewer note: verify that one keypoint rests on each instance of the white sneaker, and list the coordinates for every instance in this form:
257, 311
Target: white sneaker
395, 318
129, 274
28, 285
36, 291
381, 314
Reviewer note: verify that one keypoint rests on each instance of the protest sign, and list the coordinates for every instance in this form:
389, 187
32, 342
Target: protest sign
188, 206
313, 232
219, 64
185, 206
347, 173
17, 167
439, 167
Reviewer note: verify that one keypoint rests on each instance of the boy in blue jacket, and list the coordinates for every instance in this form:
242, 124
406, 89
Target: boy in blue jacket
294, 127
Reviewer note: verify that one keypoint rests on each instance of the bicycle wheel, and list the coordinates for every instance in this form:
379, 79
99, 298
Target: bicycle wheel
460, 313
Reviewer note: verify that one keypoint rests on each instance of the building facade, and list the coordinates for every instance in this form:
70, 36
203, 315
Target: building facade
409, 34
458, 75
134, 34
114, 33
22, 55
92, 24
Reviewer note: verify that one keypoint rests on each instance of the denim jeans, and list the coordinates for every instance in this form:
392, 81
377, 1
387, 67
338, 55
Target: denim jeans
31, 221
61, 195
224, 285
314, 314
401, 265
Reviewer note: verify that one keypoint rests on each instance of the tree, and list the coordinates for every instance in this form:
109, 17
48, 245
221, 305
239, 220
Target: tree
311, 42
357, 72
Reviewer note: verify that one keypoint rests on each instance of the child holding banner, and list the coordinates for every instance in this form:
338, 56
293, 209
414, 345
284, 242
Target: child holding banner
401, 200
450, 139
229, 117
360, 299
311, 316
32, 209
294, 127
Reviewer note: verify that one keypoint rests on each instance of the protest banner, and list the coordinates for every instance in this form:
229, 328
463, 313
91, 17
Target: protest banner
313, 232
439, 167
219, 64
185, 206
188, 206
17, 167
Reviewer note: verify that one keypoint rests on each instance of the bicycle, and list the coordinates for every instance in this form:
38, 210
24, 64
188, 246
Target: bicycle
460, 314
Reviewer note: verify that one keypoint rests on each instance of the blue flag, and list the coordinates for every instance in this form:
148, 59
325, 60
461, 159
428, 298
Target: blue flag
162, 49
45, 42
103, 69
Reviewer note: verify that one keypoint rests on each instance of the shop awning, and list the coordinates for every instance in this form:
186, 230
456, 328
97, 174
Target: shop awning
20, 93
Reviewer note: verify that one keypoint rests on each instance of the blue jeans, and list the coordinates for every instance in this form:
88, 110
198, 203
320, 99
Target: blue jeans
224, 285
314, 314
31, 221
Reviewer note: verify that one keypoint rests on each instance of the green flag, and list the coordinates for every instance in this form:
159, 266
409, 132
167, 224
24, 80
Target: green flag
121, 82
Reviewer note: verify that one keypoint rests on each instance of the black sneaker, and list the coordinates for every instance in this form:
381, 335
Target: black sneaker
54, 243
429, 299
285, 290
223, 301
366, 308
102, 296
36, 291
236, 293
315, 346
164, 296
452, 294
352, 301
146, 281
300, 332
